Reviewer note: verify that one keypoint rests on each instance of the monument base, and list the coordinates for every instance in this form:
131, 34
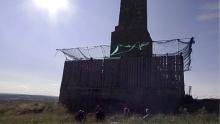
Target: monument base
133, 82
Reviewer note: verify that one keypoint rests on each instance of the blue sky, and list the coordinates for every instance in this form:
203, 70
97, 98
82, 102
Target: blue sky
29, 37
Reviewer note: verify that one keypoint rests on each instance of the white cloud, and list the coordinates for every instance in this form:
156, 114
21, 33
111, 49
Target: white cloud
209, 11
27, 84
24, 87
208, 16
55, 85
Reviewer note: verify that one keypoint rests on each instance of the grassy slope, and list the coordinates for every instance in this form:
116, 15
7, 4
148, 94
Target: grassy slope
51, 113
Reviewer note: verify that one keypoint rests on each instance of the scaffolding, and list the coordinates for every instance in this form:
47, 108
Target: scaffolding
160, 48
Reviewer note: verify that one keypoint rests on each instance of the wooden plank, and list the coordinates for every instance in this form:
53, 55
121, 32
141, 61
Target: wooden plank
129, 72
160, 70
126, 73
155, 70
140, 72
122, 75
169, 64
83, 73
163, 69
170, 71
73, 73
143, 79
104, 78
148, 69
107, 73
101, 69
136, 72
78, 73
152, 71
67, 73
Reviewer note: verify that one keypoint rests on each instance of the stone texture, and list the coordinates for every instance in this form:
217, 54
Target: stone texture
132, 28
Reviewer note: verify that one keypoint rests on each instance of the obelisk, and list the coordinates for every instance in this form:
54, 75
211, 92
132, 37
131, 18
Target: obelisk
132, 29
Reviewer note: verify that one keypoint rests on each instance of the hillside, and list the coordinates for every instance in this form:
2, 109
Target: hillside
24, 97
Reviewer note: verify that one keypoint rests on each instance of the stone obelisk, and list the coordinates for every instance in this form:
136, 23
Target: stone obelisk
132, 28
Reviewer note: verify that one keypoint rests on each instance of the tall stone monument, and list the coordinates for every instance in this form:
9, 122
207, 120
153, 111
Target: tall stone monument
132, 27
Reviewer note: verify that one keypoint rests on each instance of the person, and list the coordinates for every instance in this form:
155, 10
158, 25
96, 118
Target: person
80, 116
147, 113
126, 112
99, 114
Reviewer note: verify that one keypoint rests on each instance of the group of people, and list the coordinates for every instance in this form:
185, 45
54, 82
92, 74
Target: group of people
100, 114
126, 112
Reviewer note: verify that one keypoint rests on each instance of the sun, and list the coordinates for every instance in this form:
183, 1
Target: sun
52, 6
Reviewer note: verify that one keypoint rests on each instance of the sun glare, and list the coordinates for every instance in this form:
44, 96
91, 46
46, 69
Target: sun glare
52, 6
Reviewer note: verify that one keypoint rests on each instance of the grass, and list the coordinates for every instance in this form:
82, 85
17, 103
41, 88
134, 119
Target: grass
52, 113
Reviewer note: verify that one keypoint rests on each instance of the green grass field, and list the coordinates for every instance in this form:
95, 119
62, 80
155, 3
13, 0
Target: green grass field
52, 113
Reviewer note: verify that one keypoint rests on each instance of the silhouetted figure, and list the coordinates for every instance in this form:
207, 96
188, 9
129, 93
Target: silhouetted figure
80, 116
126, 112
192, 40
147, 113
99, 114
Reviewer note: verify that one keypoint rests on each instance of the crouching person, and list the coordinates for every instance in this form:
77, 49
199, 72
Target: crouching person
80, 116
99, 114
147, 111
126, 112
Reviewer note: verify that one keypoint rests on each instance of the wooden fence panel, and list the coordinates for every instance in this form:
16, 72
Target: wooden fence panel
123, 76
132, 72
88, 80
74, 73
95, 74
111, 72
